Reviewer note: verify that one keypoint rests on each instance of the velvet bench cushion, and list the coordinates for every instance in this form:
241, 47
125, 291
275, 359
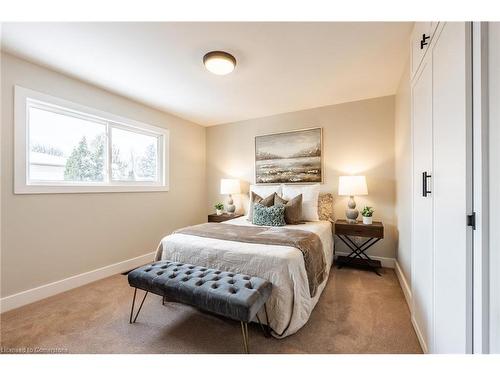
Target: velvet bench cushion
229, 294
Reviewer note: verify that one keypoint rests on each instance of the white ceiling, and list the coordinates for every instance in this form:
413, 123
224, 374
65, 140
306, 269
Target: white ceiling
282, 67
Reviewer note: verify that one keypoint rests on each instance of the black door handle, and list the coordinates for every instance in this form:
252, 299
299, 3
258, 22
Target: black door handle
424, 42
425, 190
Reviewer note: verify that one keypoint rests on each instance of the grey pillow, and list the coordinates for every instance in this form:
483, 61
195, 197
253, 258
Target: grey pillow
271, 216
256, 198
293, 208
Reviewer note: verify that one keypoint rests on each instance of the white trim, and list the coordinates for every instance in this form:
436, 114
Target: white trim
25, 97
493, 62
404, 284
480, 138
28, 296
1, 161
386, 262
420, 337
469, 259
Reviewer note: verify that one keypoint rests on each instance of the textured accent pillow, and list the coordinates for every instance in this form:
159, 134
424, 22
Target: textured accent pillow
325, 206
273, 216
310, 194
256, 198
293, 208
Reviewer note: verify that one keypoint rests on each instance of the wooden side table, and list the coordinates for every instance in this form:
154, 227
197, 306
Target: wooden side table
213, 218
358, 257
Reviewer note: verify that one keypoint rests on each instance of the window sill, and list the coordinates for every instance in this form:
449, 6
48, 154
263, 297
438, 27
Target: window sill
52, 189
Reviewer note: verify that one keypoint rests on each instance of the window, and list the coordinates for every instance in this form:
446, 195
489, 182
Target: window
133, 156
62, 147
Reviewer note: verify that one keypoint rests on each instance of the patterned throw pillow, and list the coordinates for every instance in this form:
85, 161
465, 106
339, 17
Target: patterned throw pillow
273, 216
256, 198
325, 206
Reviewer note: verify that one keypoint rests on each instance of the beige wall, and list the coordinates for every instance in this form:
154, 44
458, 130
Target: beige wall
358, 138
403, 152
49, 237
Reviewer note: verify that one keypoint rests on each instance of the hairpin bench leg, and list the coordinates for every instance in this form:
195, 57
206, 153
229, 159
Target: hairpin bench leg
244, 331
140, 307
265, 328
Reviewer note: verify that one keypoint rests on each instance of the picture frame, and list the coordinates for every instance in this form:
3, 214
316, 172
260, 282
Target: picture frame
292, 157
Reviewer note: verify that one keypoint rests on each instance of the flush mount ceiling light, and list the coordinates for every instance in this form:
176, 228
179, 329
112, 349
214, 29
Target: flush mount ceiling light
219, 62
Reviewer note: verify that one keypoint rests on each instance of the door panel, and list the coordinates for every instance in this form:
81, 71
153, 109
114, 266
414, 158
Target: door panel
422, 252
417, 50
451, 189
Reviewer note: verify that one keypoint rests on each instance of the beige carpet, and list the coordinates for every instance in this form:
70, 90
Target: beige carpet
358, 312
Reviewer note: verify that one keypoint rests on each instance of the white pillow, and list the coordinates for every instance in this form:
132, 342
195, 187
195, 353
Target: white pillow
310, 195
263, 191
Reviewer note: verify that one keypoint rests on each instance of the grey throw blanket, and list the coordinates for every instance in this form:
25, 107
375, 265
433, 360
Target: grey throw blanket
308, 243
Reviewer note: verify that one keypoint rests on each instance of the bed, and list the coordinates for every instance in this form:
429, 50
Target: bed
290, 304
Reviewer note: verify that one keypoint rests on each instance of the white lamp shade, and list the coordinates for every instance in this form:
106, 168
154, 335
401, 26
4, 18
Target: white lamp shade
352, 185
230, 186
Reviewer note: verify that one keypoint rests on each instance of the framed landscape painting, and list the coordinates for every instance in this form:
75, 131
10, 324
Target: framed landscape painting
291, 157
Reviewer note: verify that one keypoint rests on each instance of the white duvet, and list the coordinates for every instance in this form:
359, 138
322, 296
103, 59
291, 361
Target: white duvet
290, 304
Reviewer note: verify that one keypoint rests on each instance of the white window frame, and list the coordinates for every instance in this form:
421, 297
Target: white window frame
24, 98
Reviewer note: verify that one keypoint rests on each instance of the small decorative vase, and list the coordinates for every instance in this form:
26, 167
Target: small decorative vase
218, 212
367, 220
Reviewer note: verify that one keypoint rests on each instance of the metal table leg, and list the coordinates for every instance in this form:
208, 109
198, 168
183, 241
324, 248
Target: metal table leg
358, 251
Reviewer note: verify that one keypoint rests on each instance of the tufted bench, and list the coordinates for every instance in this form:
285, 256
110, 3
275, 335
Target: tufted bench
232, 295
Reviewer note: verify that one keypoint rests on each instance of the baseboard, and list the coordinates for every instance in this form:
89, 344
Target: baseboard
404, 284
386, 262
409, 300
28, 296
420, 337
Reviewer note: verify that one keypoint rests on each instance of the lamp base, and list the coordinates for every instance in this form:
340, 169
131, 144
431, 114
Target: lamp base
230, 207
351, 213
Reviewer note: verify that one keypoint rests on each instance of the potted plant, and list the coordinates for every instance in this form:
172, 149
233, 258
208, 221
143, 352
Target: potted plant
218, 208
367, 214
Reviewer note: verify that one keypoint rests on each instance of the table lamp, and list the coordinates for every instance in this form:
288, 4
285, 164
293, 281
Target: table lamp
351, 186
230, 186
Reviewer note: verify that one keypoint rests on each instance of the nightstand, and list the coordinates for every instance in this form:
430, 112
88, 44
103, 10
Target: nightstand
358, 257
213, 218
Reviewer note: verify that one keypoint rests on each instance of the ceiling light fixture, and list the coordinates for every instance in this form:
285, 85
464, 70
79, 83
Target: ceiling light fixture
219, 62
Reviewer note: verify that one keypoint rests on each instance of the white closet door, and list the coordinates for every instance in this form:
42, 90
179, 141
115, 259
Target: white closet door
422, 268
452, 189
